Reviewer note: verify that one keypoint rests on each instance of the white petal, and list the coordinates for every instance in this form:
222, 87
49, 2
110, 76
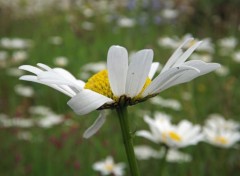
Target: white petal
138, 71
64, 73
87, 101
186, 54
117, 66
147, 135
95, 126
178, 79
43, 66
178, 52
59, 77
189, 75
34, 79
31, 69
153, 69
203, 66
28, 78
165, 77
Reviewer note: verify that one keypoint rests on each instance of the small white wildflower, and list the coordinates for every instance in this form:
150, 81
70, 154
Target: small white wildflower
175, 156
126, 22
56, 40
174, 136
228, 43
107, 167
222, 71
25, 91
236, 56
220, 132
61, 61
167, 103
170, 14
19, 56
14, 72
144, 152
50, 120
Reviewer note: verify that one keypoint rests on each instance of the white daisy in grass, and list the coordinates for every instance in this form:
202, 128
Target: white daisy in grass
174, 136
217, 121
144, 152
122, 82
170, 155
107, 167
220, 132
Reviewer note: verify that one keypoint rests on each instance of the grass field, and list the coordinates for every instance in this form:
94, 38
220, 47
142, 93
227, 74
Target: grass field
42, 150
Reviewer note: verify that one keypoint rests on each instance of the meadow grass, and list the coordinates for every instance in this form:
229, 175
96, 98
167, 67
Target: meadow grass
61, 150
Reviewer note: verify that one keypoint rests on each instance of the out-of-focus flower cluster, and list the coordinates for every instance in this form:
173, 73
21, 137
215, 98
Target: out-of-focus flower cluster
39, 116
216, 131
119, 12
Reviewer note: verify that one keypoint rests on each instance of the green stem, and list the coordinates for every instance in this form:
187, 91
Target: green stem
127, 139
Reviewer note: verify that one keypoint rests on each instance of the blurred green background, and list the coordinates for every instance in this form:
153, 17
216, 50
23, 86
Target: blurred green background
82, 32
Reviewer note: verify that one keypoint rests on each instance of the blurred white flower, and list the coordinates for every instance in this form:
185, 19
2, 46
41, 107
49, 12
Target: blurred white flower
61, 61
236, 56
126, 22
167, 103
40, 110
19, 56
144, 152
207, 46
107, 167
170, 14
94, 67
168, 42
15, 43
203, 57
228, 43
84, 75
220, 132
174, 136
87, 12
20, 122
222, 71
50, 120
175, 156
186, 95
14, 72
56, 40
25, 91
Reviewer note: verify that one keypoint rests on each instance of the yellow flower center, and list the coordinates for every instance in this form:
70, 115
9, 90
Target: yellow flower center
221, 140
109, 167
174, 136
100, 83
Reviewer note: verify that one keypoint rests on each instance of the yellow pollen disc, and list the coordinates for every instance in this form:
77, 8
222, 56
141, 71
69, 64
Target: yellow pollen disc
109, 167
174, 136
100, 83
221, 140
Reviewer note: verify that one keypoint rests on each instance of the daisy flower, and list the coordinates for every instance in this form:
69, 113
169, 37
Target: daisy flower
107, 167
122, 82
174, 136
220, 132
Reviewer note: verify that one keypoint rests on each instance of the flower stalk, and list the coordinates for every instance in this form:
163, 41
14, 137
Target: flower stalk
127, 139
